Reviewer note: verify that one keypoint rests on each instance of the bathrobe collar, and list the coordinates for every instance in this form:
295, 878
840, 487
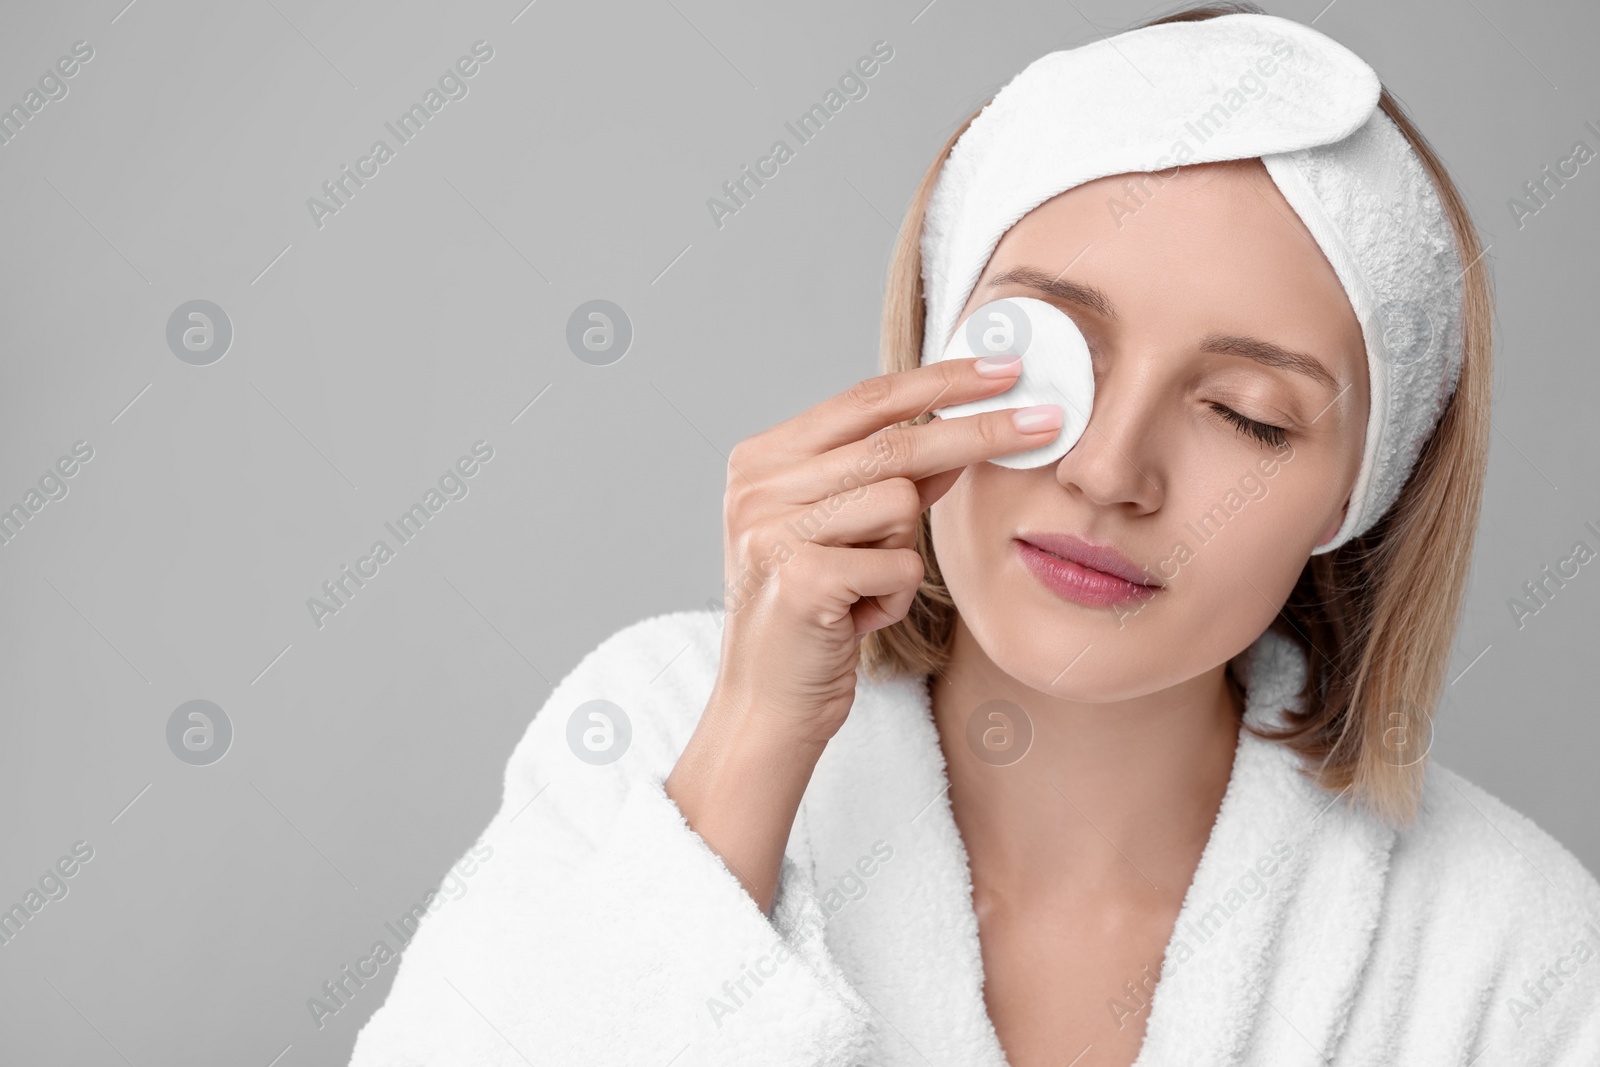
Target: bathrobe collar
1269, 943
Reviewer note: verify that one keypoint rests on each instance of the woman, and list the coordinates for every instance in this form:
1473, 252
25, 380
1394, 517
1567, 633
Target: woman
1115, 759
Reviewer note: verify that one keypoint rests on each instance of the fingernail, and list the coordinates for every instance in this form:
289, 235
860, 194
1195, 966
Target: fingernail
1038, 418
999, 366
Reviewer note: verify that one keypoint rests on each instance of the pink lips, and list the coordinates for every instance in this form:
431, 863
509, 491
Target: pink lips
1085, 573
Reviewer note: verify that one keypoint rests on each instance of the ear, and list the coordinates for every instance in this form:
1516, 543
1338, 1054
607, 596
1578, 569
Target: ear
1333, 527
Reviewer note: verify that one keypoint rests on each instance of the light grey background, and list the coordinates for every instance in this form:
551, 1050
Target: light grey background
372, 352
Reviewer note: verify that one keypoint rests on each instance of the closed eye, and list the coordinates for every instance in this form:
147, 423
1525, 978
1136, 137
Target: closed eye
1261, 431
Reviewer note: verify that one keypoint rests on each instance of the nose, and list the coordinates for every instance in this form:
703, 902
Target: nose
1116, 463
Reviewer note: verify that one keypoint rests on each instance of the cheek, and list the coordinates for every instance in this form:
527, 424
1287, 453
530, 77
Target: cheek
970, 527
1252, 535
953, 522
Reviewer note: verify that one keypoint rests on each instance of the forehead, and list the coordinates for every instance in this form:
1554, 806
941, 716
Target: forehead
1215, 240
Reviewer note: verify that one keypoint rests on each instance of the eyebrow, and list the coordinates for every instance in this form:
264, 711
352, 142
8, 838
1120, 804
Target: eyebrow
1254, 348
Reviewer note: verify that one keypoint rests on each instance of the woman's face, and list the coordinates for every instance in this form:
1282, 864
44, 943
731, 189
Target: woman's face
1189, 292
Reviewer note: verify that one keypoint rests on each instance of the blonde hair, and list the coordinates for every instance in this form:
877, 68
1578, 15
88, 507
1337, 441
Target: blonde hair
1376, 617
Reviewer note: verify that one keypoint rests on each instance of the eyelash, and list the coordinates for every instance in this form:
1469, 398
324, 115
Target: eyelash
1272, 435
1266, 433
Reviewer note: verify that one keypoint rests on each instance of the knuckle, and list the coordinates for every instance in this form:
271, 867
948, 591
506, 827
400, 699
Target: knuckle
802, 565
741, 494
870, 394
735, 502
904, 495
954, 372
892, 447
738, 539
797, 580
883, 453
740, 457
745, 529
912, 562
988, 429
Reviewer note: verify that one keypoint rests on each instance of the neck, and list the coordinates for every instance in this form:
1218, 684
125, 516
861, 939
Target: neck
1109, 796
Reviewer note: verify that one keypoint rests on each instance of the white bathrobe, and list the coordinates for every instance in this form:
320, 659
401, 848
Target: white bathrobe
602, 930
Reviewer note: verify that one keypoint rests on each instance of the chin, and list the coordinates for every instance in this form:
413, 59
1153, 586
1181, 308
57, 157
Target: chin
1100, 675
1059, 649
1098, 655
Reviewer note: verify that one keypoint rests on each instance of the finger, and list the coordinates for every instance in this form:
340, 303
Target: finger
912, 452
875, 612
873, 403
869, 572
934, 486
880, 514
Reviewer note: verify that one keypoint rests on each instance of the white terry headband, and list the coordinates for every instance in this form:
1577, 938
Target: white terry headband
1232, 87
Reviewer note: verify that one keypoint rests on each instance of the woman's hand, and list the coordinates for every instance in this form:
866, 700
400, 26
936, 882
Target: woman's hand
820, 522
820, 525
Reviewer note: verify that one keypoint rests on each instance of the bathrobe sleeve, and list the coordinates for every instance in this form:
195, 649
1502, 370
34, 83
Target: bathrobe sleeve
597, 927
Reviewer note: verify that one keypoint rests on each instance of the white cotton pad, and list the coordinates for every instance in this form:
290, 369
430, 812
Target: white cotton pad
1055, 369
